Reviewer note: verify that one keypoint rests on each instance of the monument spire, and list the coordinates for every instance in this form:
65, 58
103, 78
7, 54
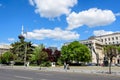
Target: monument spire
21, 36
22, 32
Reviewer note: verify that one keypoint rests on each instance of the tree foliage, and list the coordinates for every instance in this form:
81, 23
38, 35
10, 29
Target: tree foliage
75, 51
118, 50
39, 55
53, 56
110, 51
7, 57
20, 48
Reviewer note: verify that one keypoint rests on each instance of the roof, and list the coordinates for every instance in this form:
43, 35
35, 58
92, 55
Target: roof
117, 33
5, 46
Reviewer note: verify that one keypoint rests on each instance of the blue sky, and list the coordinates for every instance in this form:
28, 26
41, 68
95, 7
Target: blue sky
55, 22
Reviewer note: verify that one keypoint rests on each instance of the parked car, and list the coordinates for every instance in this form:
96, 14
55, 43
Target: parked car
118, 65
91, 64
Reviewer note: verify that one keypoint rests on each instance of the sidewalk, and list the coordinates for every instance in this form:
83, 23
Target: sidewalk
86, 69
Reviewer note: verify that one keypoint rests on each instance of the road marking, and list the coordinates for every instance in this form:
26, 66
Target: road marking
24, 77
43, 79
44, 74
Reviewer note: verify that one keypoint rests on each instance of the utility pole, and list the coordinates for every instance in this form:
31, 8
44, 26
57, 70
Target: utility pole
25, 55
22, 38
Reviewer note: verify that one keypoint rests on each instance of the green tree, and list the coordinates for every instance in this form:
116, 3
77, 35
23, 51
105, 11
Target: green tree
75, 51
22, 49
38, 55
110, 51
118, 50
65, 54
7, 57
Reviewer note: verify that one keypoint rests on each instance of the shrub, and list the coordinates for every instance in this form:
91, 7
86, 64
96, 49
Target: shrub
45, 64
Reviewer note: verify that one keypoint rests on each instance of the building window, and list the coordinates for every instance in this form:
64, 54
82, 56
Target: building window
116, 38
117, 42
112, 38
109, 39
105, 39
102, 40
109, 42
113, 42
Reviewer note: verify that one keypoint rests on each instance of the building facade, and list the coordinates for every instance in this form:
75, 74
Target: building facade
96, 49
96, 43
4, 48
110, 39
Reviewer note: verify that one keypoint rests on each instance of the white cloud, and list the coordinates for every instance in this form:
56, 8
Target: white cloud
35, 44
31, 2
92, 18
11, 39
56, 34
52, 8
117, 14
102, 32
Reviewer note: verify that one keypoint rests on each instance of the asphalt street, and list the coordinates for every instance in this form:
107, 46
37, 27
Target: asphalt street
11, 74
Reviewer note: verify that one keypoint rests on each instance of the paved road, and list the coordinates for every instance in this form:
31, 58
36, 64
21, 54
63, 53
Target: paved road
85, 69
11, 74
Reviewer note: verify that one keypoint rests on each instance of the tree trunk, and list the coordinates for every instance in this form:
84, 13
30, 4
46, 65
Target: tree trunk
97, 58
110, 65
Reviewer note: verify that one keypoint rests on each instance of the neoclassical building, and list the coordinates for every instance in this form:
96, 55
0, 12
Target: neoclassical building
96, 49
96, 43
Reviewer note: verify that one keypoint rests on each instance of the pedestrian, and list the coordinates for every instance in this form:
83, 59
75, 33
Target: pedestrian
64, 65
68, 67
